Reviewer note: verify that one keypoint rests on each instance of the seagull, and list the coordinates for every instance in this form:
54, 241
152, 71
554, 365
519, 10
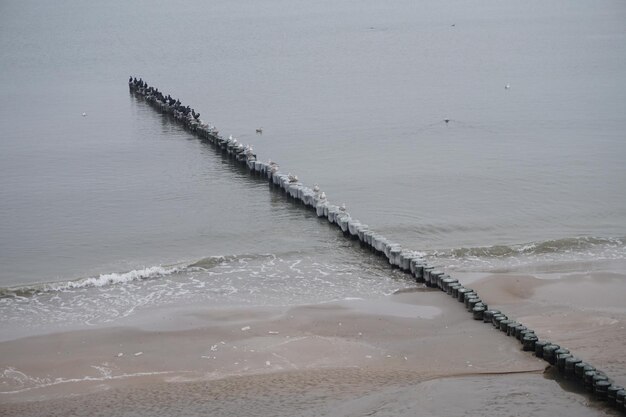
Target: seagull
84, 114
506, 87
316, 188
292, 178
342, 207
323, 196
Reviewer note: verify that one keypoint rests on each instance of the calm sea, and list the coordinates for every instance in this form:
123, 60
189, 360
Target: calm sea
120, 210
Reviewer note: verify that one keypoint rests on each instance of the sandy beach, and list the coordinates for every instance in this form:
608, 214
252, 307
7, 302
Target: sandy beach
414, 351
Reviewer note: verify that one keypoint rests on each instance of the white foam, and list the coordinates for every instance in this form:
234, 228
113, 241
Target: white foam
527, 248
272, 280
114, 278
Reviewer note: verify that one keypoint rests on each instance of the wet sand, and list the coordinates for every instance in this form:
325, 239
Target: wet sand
584, 312
413, 352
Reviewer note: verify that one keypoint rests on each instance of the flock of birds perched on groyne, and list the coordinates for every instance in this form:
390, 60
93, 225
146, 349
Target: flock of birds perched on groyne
569, 366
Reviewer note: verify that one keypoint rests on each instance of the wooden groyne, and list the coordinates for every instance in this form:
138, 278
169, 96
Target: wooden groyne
567, 364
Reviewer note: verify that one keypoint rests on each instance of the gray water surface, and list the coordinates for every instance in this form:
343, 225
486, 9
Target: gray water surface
351, 96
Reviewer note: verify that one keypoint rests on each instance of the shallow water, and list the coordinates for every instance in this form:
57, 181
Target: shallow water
350, 95
277, 279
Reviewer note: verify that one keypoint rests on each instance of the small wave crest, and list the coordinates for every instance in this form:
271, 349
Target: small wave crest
116, 278
566, 245
214, 261
99, 281
581, 248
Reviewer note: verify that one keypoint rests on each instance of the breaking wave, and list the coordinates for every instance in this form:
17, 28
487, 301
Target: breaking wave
533, 254
567, 245
116, 278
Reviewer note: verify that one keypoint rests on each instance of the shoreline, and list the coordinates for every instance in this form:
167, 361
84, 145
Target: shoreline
419, 334
387, 333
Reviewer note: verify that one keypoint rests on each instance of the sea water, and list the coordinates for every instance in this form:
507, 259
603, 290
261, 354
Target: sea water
489, 137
